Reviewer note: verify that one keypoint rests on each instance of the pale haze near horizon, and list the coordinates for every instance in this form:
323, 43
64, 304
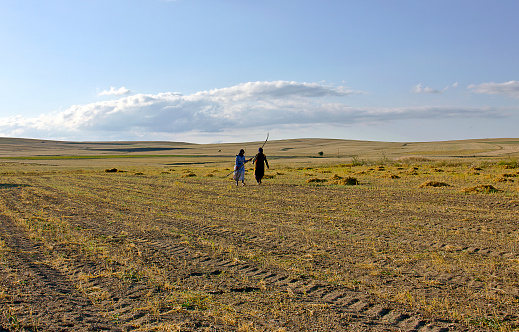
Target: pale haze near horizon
230, 71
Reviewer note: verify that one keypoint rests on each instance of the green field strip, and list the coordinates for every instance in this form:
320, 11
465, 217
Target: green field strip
103, 157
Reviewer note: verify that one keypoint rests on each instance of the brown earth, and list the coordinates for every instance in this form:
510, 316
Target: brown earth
160, 252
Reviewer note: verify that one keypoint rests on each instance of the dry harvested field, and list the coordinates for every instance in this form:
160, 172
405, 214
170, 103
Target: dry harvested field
385, 237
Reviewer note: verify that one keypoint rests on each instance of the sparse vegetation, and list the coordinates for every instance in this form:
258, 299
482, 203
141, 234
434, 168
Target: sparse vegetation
510, 163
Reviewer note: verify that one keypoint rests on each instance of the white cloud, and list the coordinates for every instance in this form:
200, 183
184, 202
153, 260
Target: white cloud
419, 89
240, 108
510, 88
115, 92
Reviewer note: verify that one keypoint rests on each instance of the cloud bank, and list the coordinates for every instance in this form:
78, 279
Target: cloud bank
510, 88
239, 108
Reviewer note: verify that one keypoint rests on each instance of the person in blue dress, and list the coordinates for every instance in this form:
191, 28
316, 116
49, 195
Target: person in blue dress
239, 167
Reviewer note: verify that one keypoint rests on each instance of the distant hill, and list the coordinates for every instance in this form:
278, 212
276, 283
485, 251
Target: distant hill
314, 147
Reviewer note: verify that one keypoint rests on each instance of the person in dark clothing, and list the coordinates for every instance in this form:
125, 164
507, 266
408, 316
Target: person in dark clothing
259, 162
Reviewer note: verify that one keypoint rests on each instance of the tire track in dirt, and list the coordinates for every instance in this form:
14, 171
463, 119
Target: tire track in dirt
452, 279
356, 304
57, 301
121, 308
368, 311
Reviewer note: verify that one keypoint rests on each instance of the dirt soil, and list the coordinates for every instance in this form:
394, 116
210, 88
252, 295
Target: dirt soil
124, 252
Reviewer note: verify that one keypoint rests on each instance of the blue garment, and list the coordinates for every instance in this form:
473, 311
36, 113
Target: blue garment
240, 161
239, 168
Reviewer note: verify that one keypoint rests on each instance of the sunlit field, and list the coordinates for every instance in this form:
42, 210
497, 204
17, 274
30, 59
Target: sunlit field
367, 239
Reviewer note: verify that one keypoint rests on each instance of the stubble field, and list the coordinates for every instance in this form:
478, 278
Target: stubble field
417, 245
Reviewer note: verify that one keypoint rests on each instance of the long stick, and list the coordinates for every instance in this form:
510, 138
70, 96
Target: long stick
265, 141
235, 170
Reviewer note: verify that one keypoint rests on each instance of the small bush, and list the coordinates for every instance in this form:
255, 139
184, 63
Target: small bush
111, 170
188, 175
355, 161
413, 160
448, 163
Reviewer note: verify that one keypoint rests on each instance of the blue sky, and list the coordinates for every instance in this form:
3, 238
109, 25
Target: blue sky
232, 70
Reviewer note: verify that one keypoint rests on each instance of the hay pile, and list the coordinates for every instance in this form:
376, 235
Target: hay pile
315, 180
503, 179
390, 175
434, 184
348, 181
482, 188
